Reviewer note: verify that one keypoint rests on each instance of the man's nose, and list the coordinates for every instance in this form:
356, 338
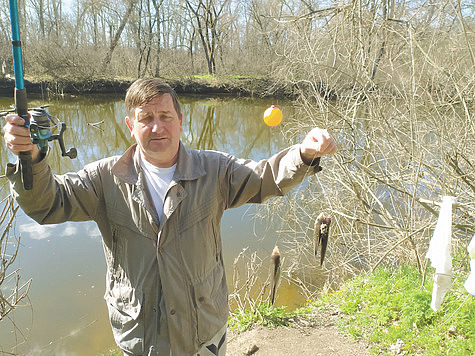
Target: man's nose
157, 125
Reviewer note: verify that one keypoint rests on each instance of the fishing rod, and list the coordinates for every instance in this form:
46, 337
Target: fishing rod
37, 120
21, 103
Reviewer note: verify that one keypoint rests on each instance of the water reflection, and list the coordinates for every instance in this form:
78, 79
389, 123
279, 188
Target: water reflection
96, 127
67, 313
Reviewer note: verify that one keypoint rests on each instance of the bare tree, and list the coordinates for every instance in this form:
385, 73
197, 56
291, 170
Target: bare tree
207, 16
147, 35
157, 5
39, 7
115, 39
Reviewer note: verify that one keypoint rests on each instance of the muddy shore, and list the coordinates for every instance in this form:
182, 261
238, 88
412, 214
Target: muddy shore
246, 87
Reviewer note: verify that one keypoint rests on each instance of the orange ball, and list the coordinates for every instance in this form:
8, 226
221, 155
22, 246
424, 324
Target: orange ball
272, 116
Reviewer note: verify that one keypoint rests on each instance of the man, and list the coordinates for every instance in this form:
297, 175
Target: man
159, 207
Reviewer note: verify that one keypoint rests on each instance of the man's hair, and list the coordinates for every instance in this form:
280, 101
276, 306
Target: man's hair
143, 90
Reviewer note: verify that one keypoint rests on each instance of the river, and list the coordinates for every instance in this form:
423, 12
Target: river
65, 313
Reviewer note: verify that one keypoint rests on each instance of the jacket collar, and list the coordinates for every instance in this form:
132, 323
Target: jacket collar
128, 166
189, 166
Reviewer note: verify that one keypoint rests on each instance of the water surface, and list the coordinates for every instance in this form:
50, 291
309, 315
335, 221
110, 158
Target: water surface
65, 312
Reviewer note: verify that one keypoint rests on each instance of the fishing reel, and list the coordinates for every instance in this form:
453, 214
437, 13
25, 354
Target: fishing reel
40, 131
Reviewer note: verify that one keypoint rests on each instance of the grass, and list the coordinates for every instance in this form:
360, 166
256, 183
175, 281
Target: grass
391, 306
263, 314
113, 352
210, 77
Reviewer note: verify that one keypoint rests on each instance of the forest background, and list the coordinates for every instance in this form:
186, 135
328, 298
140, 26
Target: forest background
392, 80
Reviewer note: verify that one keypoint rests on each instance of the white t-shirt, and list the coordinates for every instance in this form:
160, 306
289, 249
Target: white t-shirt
158, 180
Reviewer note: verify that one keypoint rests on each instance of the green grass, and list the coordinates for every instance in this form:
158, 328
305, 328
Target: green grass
263, 314
210, 77
204, 76
113, 352
391, 305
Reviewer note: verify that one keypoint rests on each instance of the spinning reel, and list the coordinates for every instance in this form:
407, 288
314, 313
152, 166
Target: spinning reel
40, 131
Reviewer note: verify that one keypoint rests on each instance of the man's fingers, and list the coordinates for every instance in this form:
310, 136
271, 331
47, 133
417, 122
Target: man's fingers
318, 140
16, 149
324, 139
317, 143
15, 119
16, 136
14, 126
16, 130
329, 147
17, 143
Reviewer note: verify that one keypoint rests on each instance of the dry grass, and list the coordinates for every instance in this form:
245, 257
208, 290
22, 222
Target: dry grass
10, 283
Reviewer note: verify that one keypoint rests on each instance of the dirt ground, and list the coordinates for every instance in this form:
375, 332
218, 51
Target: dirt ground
315, 336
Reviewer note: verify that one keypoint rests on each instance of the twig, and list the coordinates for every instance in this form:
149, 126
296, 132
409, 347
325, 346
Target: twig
358, 220
398, 243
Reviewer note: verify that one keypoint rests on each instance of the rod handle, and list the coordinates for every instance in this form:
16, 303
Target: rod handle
26, 167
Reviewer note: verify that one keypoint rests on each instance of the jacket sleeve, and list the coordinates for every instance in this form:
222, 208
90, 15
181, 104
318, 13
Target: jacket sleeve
57, 198
254, 182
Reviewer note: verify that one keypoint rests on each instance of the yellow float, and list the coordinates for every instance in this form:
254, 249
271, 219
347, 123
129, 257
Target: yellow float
272, 116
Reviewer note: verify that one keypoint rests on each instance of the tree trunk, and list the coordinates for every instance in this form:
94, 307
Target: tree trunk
207, 16
116, 38
157, 14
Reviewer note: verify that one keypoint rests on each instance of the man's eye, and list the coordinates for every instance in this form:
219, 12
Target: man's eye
145, 120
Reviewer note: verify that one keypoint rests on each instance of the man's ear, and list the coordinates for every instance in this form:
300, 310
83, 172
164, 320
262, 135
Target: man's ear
130, 125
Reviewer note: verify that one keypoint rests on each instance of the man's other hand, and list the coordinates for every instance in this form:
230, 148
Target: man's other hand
317, 143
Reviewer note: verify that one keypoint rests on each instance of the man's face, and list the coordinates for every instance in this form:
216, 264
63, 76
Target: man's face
156, 127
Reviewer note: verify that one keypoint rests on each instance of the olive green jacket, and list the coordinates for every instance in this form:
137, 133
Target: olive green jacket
175, 263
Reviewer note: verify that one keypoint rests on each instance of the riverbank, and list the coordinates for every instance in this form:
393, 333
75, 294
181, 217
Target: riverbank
387, 311
312, 334
238, 86
384, 312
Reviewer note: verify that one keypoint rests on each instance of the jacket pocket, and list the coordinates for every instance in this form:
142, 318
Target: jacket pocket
196, 213
126, 319
133, 219
211, 301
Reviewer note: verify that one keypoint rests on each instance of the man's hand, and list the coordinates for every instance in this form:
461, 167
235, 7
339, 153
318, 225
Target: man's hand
17, 137
317, 143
